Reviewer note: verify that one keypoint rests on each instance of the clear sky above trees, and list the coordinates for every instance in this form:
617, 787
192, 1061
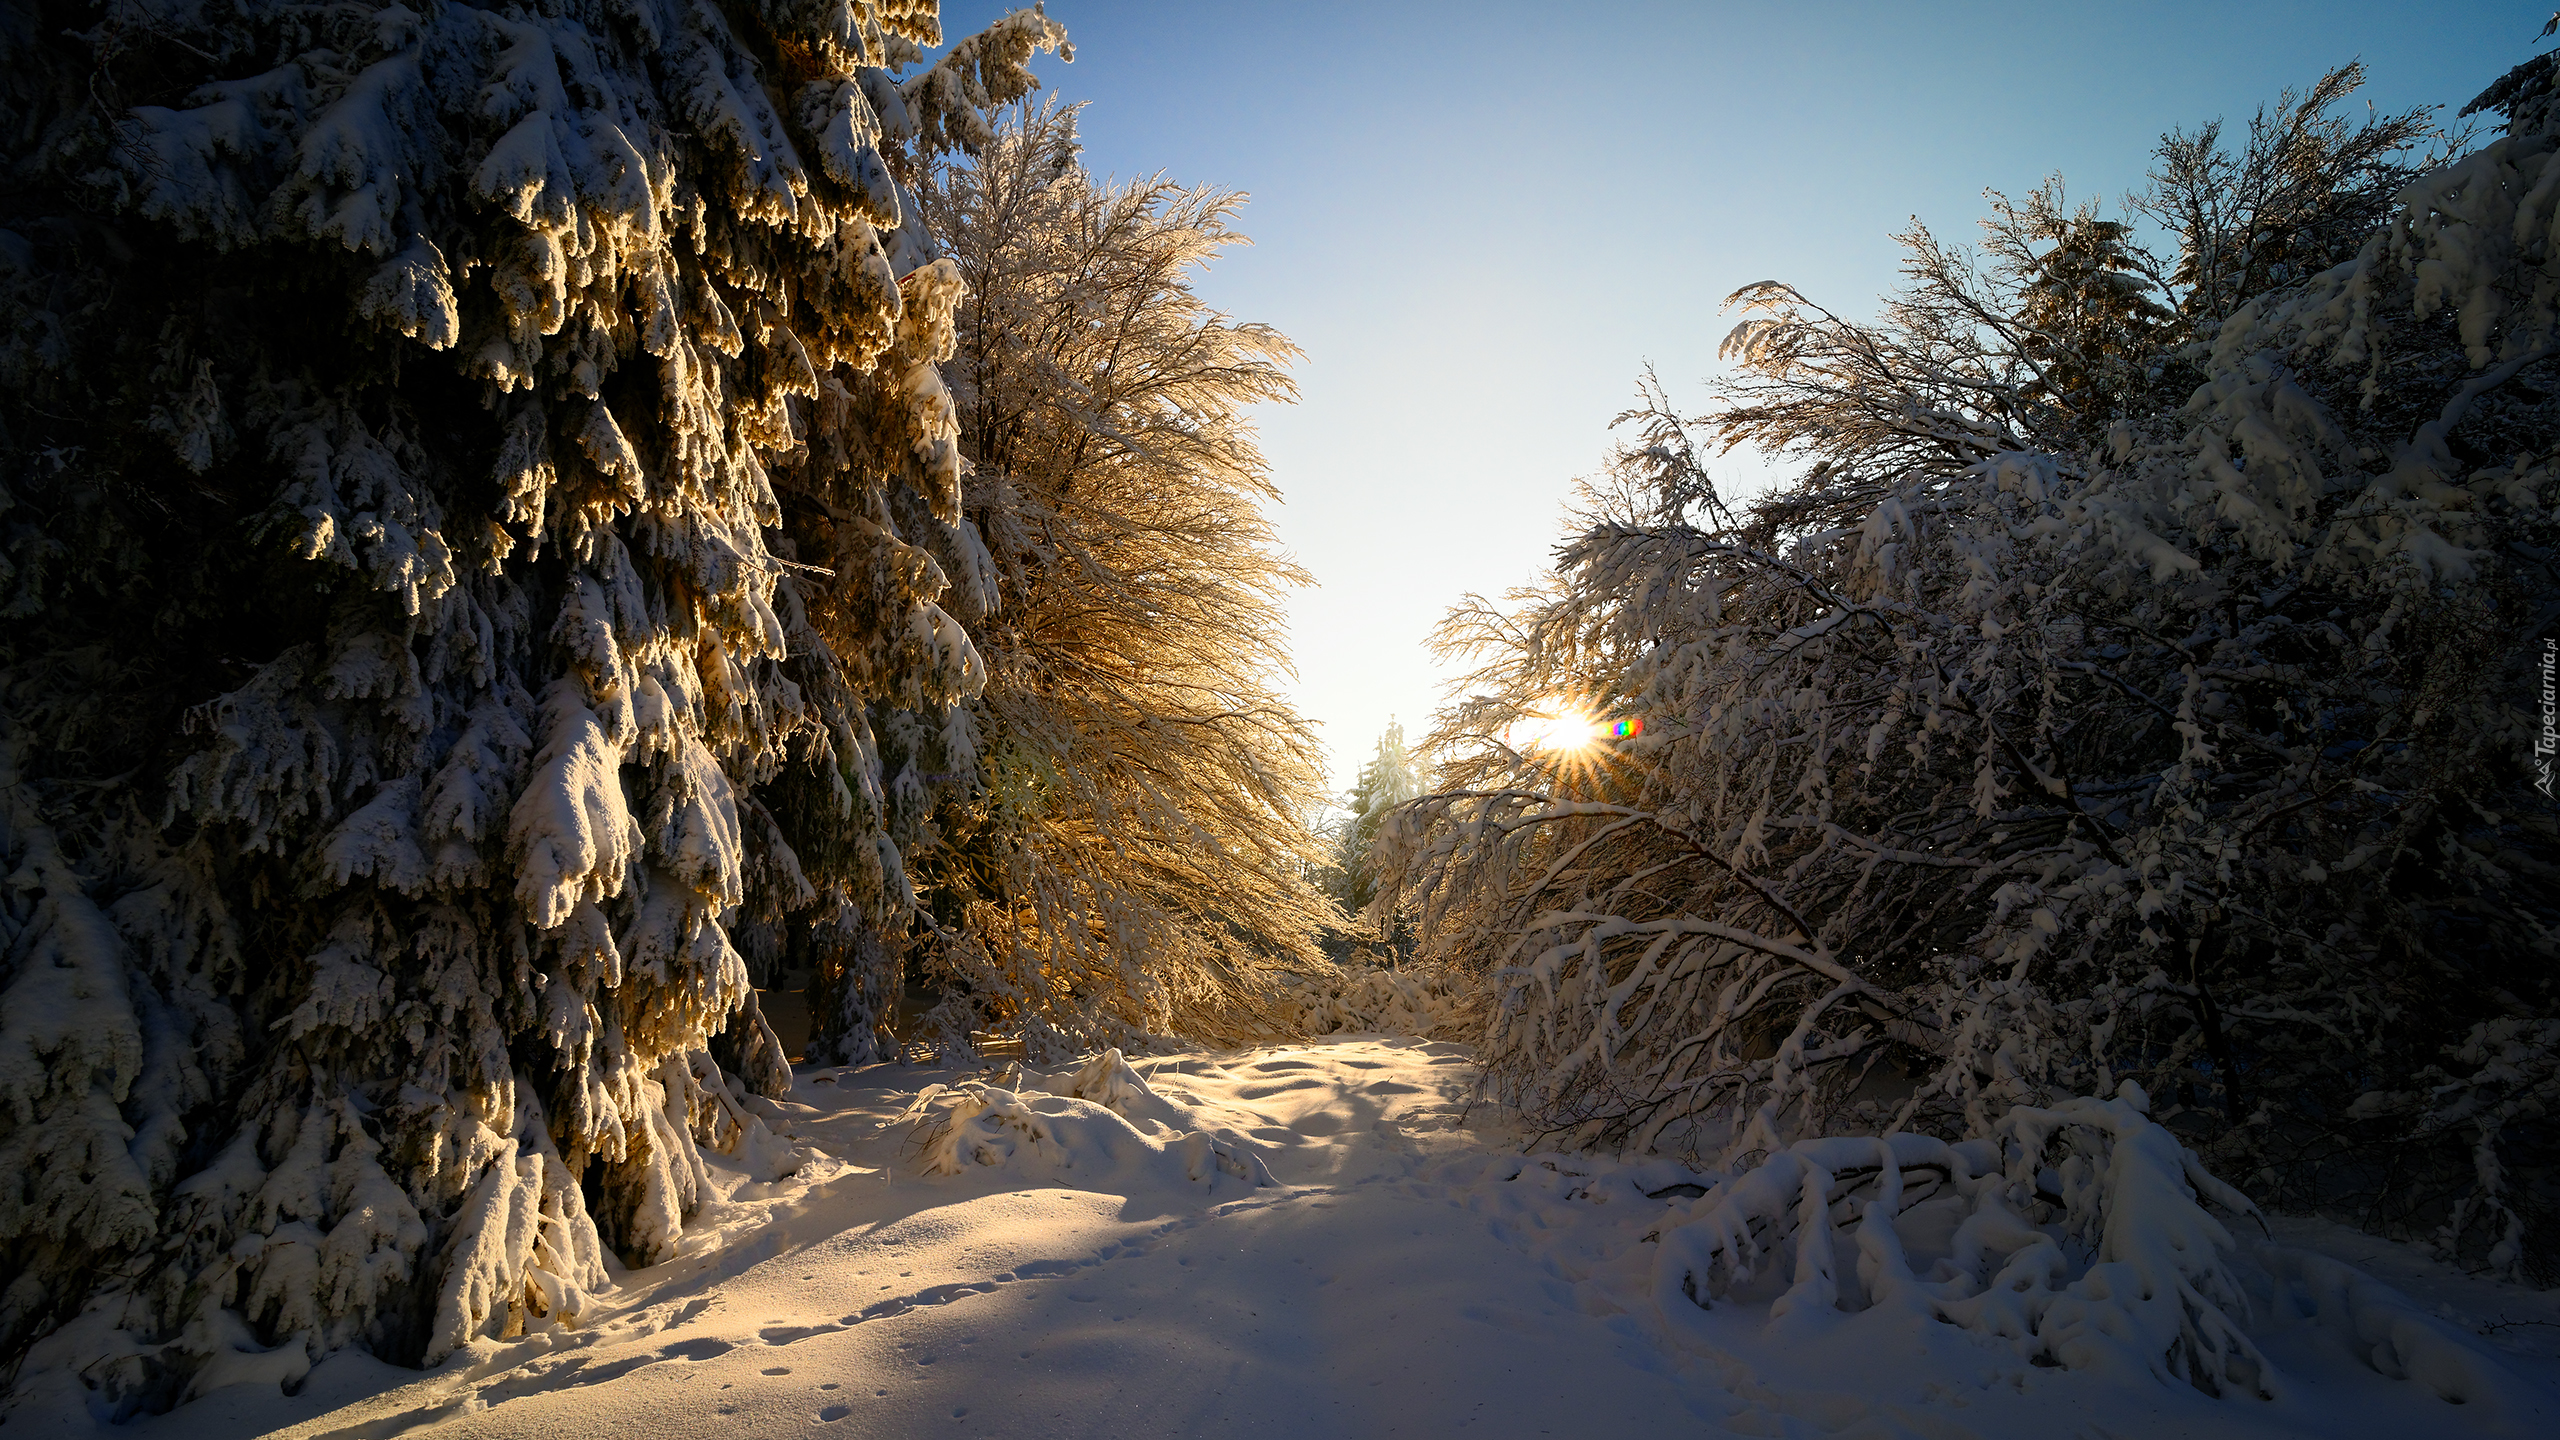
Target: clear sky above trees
1647, 160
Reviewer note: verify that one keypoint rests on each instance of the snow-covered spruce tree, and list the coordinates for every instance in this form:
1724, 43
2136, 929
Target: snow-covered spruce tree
1128, 856
428, 435
2036, 736
1392, 777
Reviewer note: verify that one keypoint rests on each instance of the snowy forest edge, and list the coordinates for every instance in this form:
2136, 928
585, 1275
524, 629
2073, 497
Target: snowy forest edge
524, 528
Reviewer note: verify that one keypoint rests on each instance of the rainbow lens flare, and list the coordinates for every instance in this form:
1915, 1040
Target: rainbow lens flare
1626, 729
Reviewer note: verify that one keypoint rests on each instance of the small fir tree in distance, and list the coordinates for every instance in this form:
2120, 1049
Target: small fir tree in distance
1391, 776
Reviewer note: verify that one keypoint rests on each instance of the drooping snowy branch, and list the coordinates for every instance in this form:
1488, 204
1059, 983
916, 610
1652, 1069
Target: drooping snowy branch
2121, 688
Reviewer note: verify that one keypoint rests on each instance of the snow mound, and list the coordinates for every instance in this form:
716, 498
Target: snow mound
2392, 1334
1108, 1081
1085, 1130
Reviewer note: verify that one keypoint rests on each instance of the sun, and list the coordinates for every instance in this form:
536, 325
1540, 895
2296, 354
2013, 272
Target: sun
1568, 732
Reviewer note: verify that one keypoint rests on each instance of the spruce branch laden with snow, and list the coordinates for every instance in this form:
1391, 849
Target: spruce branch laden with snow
475, 477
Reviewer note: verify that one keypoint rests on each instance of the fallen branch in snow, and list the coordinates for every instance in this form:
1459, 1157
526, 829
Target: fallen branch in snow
2084, 1243
2085, 1238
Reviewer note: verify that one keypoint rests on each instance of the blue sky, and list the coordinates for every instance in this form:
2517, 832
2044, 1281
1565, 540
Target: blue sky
1481, 221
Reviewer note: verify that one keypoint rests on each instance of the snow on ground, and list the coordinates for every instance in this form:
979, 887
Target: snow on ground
1406, 1271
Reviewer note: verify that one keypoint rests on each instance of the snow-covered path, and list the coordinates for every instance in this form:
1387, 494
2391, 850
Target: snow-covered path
1408, 1273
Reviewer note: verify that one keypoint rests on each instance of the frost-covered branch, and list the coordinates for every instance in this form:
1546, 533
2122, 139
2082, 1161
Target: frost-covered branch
2093, 703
